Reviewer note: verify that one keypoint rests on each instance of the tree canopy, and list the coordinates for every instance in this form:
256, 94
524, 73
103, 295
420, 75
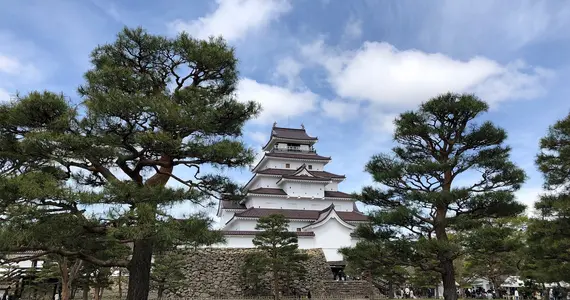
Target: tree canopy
446, 173
153, 110
278, 254
495, 250
549, 231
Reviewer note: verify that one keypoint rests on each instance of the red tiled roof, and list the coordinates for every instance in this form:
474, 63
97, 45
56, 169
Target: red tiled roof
268, 191
352, 216
337, 194
349, 216
297, 155
288, 213
227, 204
272, 171
299, 233
291, 133
305, 177
326, 174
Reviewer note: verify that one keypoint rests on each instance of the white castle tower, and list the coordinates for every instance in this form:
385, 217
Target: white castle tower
290, 180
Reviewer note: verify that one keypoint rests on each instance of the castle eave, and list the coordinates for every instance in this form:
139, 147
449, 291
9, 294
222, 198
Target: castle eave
251, 233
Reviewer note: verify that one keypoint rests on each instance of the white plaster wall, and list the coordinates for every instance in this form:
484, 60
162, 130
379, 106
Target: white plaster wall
304, 189
305, 242
293, 225
332, 236
249, 225
333, 186
264, 182
284, 146
297, 203
293, 165
266, 202
242, 225
226, 216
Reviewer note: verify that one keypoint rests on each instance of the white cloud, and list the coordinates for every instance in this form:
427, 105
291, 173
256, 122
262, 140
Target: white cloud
352, 29
234, 19
340, 110
8, 64
529, 196
14, 73
258, 137
12, 66
383, 75
4, 96
289, 69
506, 24
382, 122
277, 102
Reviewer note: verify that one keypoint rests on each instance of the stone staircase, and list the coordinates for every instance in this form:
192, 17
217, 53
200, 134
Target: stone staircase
351, 288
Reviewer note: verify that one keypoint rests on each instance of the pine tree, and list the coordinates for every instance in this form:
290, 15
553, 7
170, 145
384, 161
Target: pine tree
167, 273
549, 232
378, 260
150, 105
446, 173
278, 252
495, 250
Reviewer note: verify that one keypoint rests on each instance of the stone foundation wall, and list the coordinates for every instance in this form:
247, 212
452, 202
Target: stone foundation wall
216, 273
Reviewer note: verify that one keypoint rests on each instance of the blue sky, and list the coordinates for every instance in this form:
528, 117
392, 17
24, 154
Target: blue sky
342, 68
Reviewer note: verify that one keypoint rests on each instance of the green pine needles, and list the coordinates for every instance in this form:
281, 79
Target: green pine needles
445, 175
153, 110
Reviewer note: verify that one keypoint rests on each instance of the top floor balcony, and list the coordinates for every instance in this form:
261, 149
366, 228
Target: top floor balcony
296, 149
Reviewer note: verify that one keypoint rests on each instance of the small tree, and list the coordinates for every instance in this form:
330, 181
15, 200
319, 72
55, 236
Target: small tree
278, 252
378, 262
446, 173
168, 273
549, 232
495, 250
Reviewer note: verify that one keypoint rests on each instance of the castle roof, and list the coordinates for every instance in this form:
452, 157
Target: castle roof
228, 204
291, 133
301, 214
295, 155
251, 232
281, 192
282, 172
268, 191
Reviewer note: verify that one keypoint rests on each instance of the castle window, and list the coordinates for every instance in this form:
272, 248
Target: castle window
287, 166
310, 167
298, 229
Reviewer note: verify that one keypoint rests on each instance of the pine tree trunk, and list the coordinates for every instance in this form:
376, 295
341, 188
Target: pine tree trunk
96, 293
65, 290
86, 292
120, 284
160, 291
139, 271
445, 257
275, 285
448, 277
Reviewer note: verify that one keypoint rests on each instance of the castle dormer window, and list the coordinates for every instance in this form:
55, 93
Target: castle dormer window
310, 167
287, 166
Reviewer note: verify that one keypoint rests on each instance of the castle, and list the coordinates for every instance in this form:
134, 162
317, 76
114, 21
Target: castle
290, 180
